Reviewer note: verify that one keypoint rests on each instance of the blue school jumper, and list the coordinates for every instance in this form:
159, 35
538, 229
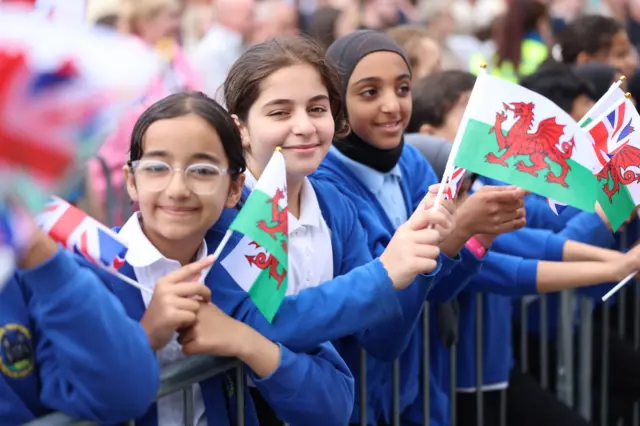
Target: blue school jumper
314, 388
67, 345
503, 277
373, 216
362, 308
572, 224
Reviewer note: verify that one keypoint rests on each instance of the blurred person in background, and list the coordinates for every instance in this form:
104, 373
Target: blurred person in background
601, 76
196, 21
105, 13
370, 14
322, 25
596, 38
424, 54
634, 87
274, 18
224, 42
564, 11
522, 37
156, 23
461, 27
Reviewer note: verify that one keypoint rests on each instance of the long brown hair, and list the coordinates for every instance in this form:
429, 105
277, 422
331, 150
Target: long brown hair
242, 86
521, 17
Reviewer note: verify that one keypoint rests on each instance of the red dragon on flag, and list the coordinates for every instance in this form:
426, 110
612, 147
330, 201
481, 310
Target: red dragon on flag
540, 146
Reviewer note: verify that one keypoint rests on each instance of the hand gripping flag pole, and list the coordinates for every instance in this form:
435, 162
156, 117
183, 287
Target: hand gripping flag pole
450, 167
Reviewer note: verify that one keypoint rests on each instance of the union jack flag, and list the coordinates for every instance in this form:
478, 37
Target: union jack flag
82, 234
614, 131
455, 182
556, 206
39, 122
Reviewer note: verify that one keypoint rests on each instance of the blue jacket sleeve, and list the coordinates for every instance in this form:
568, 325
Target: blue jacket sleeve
540, 215
506, 275
449, 286
94, 361
332, 310
588, 228
310, 388
531, 244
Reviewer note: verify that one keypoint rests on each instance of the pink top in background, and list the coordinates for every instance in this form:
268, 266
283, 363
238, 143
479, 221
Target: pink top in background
179, 75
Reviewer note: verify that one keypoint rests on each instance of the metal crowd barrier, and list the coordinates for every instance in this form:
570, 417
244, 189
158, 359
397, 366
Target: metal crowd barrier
176, 377
573, 382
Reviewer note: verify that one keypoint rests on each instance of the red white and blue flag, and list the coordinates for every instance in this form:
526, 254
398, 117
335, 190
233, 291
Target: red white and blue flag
82, 234
454, 183
614, 130
555, 206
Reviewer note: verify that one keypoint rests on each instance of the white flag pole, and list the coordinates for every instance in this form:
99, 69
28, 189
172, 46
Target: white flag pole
633, 274
613, 87
448, 171
126, 279
619, 286
221, 246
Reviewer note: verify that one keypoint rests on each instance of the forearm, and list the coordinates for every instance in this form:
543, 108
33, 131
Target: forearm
259, 353
574, 251
558, 276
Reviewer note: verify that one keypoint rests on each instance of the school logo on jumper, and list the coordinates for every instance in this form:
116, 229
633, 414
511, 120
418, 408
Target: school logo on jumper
16, 351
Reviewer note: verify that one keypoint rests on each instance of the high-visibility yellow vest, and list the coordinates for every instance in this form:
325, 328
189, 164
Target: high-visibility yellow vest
533, 54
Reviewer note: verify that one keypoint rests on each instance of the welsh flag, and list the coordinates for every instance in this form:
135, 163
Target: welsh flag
517, 136
259, 262
616, 136
613, 125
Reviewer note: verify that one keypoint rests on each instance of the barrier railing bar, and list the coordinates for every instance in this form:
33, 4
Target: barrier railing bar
174, 377
524, 340
544, 342
425, 365
396, 393
585, 362
605, 363
187, 403
479, 360
363, 387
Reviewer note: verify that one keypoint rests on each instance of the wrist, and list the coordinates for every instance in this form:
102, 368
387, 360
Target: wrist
243, 345
475, 246
153, 342
485, 239
452, 245
40, 249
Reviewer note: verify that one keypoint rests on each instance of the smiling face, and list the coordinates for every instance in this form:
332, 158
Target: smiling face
378, 99
175, 213
293, 112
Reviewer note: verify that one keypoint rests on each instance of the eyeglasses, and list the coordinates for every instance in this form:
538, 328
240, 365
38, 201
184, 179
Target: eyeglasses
156, 176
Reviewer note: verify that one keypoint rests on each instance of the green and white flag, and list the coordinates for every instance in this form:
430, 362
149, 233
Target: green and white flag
517, 136
259, 262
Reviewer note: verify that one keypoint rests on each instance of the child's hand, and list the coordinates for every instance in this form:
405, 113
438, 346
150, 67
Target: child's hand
447, 207
173, 305
39, 249
627, 264
414, 248
213, 333
492, 210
